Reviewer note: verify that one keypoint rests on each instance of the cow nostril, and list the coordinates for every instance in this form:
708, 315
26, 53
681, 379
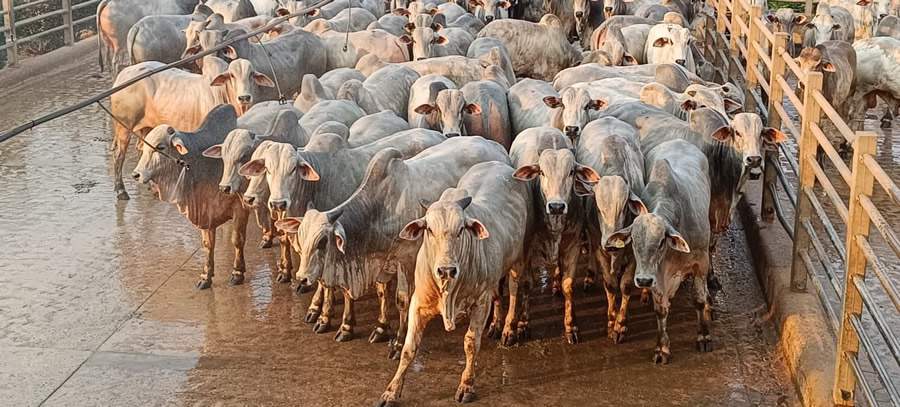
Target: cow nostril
225, 188
680, 62
556, 208
278, 205
754, 161
135, 175
244, 99
579, 14
450, 135
249, 199
447, 271
420, 59
572, 130
489, 18
643, 282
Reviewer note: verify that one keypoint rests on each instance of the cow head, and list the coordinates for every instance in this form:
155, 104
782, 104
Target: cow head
670, 44
424, 40
449, 235
651, 238
614, 8
574, 109
283, 167
560, 177
311, 236
490, 10
234, 152
823, 27
616, 204
447, 112
242, 84
813, 60
292, 7
751, 139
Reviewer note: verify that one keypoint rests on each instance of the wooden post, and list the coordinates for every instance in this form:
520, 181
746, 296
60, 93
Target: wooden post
752, 60
721, 12
736, 14
857, 225
808, 147
776, 95
808, 9
9, 19
69, 31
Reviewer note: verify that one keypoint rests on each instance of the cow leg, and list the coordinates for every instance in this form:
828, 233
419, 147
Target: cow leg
704, 313
662, 353
465, 393
382, 331
121, 138
315, 304
568, 260
267, 225
626, 285
238, 238
323, 324
285, 264
526, 282
347, 321
494, 330
403, 308
508, 338
610, 310
208, 236
419, 317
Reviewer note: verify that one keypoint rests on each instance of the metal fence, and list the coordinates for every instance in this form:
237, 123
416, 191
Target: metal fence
759, 57
14, 20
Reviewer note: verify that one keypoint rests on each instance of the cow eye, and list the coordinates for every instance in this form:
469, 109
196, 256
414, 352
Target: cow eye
321, 243
161, 147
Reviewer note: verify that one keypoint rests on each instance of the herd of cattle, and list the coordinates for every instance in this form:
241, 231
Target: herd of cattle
454, 151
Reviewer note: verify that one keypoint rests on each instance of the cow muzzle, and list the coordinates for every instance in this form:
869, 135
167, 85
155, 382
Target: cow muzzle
579, 14
250, 200
572, 131
644, 282
278, 205
451, 135
225, 189
557, 208
680, 62
488, 19
754, 161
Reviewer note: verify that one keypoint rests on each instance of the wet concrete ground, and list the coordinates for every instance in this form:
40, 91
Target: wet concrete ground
97, 306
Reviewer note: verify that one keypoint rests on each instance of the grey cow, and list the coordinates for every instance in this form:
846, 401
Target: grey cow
477, 233
387, 88
359, 237
538, 50
670, 240
195, 191
157, 38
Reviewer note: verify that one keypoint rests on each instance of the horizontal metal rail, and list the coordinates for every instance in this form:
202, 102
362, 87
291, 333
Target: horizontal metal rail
879, 269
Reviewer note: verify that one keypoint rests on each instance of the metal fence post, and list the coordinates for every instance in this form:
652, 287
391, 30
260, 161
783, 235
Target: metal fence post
69, 31
857, 225
767, 211
808, 147
752, 59
9, 19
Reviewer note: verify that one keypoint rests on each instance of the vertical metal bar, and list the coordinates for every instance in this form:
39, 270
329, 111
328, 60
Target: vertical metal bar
69, 31
857, 224
752, 59
808, 146
776, 94
9, 19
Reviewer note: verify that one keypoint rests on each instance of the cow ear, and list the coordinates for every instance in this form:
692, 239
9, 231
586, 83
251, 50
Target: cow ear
629, 59
675, 240
213, 152
413, 230
401, 12
661, 42
829, 67
433, 11
440, 40
288, 224
732, 106
425, 109
586, 174
191, 51
477, 228
619, 239
424, 204
314, 12
437, 26
688, 105
636, 205
836, 27
596, 104
504, 4
472, 108
582, 189
773, 136
405, 39
221, 80
552, 102
409, 27
281, 12
178, 143
772, 18
253, 168
474, 3
723, 133
340, 237
262, 80
863, 2
307, 172
229, 52
801, 19
527, 172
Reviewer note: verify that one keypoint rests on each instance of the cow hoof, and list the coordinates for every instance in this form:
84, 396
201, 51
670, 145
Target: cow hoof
465, 394
713, 284
660, 357
572, 336
379, 334
343, 335
236, 279
704, 344
617, 337
265, 243
394, 349
122, 195
204, 284
312, 315
387, 400
321, 326
283, 277
588, 284
885, 124
493, 331
523, 333
303, 288
508, 339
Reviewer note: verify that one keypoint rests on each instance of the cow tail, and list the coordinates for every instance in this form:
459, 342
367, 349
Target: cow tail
129, 43
100, 44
